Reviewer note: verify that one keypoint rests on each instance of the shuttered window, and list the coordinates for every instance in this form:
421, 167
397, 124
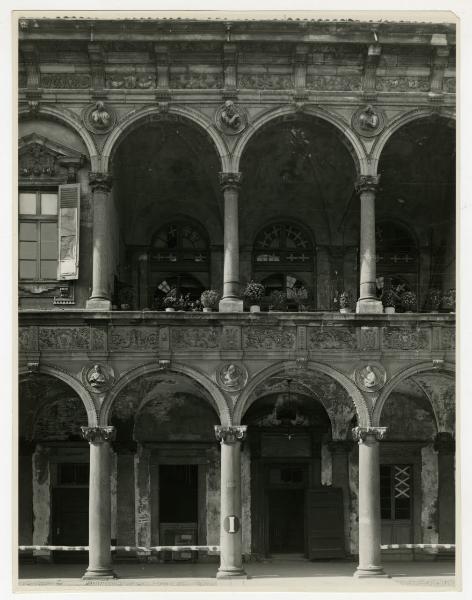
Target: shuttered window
69, 220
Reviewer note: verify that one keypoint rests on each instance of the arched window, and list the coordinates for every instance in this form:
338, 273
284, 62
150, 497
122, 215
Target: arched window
283, 260
397, 257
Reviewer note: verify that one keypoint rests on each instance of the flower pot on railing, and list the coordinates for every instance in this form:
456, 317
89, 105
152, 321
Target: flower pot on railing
408, 301
389, 301
210, 300
253, 293
346, 302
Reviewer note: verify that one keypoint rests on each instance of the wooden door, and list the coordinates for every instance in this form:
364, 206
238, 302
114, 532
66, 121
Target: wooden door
286, 521
325, 523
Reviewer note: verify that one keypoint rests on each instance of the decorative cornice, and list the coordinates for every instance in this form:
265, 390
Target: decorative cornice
360, 434
367, 183
230, 435
98, 435
230, 180
100, 182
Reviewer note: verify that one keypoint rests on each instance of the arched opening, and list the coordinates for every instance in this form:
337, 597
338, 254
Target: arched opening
417, 186
304, 163
165, 184
166, 447
53, 465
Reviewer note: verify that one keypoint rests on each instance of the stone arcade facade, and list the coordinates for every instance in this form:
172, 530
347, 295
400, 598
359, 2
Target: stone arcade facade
316, 157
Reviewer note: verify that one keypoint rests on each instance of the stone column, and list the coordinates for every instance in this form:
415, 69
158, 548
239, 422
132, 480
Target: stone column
340, 478
231, 565
100, 184
369, 501
231, 301
143, 261
368, 302
444, 445
41, 503
99, 439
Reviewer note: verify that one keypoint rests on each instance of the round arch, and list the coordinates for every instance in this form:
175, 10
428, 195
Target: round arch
73, 383
446, 368
396, 124
245, 401
356, 147
68, 118
136, 119
209, 386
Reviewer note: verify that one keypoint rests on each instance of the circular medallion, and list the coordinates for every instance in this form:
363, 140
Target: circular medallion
232, 377
230, 118
368, 121
97, 378
370, 377
99, 118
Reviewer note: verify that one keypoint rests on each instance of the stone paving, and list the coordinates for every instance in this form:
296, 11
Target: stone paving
283, 575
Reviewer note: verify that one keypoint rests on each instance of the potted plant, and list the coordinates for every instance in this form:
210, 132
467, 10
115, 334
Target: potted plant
346, 302
408, 301
126, 298
209, 299
278, 301
299, 295
449, 300
171, 302
433, 299
254, 293
389, 301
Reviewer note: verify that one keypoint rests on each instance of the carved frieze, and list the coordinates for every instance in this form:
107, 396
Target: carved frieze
99, 339
66, 81
369, 338
192, 338
351, 83
27, 338
405, 338
448, 338
402, 84
331, 338
231, 338
64, 338
196, 80
265, 81
138, 339
130, 81
269, 338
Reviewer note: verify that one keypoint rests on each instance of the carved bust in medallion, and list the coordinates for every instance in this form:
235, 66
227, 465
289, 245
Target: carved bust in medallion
232, 377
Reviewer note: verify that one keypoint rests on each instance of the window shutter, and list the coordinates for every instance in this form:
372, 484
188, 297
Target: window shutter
69, 224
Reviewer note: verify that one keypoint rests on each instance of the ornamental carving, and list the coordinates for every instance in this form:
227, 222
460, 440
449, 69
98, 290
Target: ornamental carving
231, 338
97, 378
367, 183
232, 377
268, 338
369, 338
139, 339
449, 85
448, 338
361, 434
331, 338
230, 435
27, 339
130, 82
99, 118
66, 81
98, 435
100, 182
368, 121
230, 180
99, 339
334, 83
370, 377
39, 157
230, 118
196, 81
404, 338
190, 338
64, 338
402, 84
265, 81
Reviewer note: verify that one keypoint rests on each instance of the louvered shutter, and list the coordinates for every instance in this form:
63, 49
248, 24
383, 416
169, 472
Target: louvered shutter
69, 224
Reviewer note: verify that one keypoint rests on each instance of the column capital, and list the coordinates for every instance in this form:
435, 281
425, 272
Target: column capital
230, 435
367, 183
100, 182
444, 442
98, 435
361, 434
230, 180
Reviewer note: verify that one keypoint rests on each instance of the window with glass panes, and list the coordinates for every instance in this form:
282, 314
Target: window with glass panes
395, 492
38, 235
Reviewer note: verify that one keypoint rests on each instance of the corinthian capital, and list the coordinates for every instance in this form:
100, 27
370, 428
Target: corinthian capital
230, 180
100, 182
230, 435
361, 434
367, 183
98, 435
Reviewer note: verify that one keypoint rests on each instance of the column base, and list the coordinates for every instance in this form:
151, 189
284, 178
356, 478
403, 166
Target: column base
231, 305
369, 305
98, 304
99, 574
371, 572
236, 574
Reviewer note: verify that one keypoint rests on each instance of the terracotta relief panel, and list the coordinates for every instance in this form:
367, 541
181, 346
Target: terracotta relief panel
331, 338
231, 338
99, 339
334, 83
405, 338
191, 338
139, 339
402, 84
66, 81
448, 338
64, 338
265, 81
255, 338
27, 338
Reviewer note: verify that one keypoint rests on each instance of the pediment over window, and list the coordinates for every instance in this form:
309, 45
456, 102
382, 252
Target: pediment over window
45, 162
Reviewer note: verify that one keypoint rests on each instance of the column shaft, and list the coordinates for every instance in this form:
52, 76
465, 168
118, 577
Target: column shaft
99, 503
369, 502
230, 529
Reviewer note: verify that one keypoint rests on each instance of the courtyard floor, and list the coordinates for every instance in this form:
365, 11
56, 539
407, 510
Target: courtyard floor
278, 575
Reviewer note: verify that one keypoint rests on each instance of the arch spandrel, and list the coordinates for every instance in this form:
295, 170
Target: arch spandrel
340, 397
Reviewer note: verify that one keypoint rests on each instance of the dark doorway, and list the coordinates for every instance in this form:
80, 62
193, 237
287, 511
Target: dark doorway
178, 493
70, 522
286, 521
